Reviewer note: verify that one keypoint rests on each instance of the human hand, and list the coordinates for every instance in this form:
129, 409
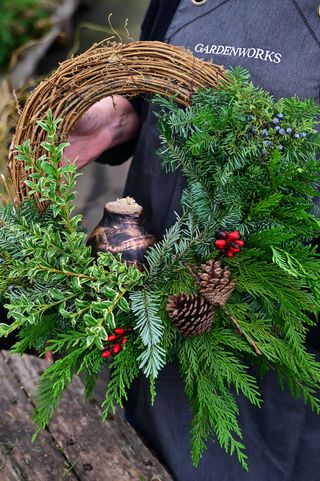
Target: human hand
107, 123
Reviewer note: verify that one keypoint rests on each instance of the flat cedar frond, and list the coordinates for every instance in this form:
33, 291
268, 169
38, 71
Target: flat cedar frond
208, 380
125, 368
34, 336
52, 384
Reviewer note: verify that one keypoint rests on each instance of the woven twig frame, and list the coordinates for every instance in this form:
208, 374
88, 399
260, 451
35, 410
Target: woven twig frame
116, 69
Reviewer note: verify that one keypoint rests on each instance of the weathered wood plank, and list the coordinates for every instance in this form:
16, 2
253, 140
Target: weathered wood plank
7, 471
39, 461
99, 451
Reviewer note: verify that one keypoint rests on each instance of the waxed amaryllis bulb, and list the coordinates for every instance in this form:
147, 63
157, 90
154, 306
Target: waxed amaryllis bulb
122, 231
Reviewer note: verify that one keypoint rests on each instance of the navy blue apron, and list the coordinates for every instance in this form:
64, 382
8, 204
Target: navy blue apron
278, 42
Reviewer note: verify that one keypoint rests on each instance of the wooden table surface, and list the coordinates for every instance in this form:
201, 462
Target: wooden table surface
76, 446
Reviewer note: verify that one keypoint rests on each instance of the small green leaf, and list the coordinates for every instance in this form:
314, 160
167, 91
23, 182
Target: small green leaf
110, 322
48, 168
109, 293
90, 320
90, 340
56, 294
64, 313
81, 304
99, 343
100, 306
47, 145
76, 284
103, 333
123, 305
5, 329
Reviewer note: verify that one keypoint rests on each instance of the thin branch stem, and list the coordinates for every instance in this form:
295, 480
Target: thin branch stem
248, 338
67, 273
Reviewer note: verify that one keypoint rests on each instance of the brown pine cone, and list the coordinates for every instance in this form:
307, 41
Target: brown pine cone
191, 314
214, 283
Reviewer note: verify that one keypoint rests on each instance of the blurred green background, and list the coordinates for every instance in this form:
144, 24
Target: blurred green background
35, 36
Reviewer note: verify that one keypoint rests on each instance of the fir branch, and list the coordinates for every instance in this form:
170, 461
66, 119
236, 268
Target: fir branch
145, 306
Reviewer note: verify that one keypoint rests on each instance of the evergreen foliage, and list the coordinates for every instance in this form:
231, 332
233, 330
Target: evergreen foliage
242, 174
59, 297
22, 22
145, 306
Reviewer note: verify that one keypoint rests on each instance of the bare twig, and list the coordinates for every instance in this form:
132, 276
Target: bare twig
192, 272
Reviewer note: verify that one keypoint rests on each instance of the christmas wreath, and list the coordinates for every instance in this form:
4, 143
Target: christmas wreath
233, 283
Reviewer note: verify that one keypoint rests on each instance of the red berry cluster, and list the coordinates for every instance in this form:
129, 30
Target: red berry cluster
229, 242
116, 341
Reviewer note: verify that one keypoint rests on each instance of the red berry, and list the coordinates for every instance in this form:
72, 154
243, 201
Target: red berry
106, 354
112, 337
240, 243
116, 348
234, 249
220, 243
120, 331
124, 340
235, 235
223, 234
230, 253
234, 244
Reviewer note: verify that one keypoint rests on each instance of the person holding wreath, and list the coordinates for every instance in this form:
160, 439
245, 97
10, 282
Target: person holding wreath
279, 44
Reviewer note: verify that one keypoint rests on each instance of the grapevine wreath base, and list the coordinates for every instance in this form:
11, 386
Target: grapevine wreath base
234, 282
120, 69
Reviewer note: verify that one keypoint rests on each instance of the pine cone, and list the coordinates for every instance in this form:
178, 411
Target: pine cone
191, 314
214, 283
